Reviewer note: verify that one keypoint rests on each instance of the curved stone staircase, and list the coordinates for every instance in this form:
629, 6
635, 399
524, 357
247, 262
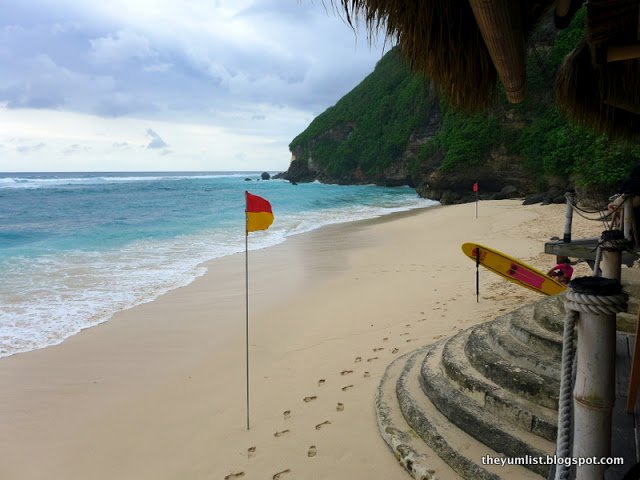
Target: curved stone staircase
491, 390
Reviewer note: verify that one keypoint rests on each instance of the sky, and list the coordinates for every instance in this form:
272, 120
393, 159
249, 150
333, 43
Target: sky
170, 85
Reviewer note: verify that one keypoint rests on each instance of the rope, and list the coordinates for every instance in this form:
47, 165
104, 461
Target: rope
563, 443
602, 216
599, 304
574, 303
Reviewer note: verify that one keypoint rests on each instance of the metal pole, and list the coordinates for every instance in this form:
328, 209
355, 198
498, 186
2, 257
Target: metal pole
476, 203
477, 274
568, 218
246, 289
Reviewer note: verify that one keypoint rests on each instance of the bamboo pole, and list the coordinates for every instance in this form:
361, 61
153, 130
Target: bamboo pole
500, 23
568, 218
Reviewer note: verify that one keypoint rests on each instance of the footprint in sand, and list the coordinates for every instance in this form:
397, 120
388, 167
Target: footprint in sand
410, 340
281, 433
251, 452
340, 407
279, 475
321, 382
422, 320
346, 372
320, 425
308, 399
366, 374
385, 339
404, 334
395, 350
232, 476
357, 360
377, 349
286, 414
346, 387
372, 359
312, 451
408, 325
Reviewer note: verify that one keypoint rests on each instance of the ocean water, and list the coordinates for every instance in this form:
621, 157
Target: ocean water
75, 248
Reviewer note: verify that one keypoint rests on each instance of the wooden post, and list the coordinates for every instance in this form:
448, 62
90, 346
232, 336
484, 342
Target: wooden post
594, 391
634, 374
628, 218
611, 263
568, 218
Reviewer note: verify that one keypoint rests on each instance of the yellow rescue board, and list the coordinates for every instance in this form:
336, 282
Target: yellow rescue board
513, 270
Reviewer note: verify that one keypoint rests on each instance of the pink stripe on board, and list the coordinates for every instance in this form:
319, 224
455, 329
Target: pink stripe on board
525, 276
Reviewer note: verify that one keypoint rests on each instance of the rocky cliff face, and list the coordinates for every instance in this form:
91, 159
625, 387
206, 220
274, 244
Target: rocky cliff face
502, 175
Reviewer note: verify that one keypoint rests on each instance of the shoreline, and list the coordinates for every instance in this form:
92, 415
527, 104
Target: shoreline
158, 391
196, 270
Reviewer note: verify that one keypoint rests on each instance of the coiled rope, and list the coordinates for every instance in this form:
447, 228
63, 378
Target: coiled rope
576, 302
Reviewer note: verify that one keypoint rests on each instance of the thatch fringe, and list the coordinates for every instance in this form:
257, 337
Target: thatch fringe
441, 39
605, 99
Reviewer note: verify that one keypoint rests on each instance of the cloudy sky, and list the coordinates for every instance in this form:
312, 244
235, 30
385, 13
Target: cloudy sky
169, 84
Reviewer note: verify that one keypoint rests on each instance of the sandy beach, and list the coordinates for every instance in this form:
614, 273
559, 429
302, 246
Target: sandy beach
158, 392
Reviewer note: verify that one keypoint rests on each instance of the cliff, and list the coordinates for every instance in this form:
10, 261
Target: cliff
392, 129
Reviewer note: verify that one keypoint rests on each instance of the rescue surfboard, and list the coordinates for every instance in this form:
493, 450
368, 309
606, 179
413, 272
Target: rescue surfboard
513, 270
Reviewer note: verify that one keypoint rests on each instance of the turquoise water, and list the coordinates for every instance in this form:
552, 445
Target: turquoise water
76, 248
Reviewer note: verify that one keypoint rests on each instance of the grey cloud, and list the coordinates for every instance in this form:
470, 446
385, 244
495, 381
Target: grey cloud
30, 148
75, 148
121, 46
72, 57
156, 141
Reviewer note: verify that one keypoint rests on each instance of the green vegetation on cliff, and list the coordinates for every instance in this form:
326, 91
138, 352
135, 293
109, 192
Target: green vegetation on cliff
546, 142
370, 128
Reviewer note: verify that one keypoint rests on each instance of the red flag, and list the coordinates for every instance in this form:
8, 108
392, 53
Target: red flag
259, 214
475, 187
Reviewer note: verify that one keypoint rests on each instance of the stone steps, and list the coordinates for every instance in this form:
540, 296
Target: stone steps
535, 335
493, 398
489, 390
455, 446
494, 431
412, 452
524, 382
515, 351
550, 313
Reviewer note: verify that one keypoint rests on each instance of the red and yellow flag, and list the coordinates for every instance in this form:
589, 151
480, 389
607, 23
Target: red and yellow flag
259, 214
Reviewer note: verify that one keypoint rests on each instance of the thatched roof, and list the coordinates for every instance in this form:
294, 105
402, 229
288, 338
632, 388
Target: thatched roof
464, 46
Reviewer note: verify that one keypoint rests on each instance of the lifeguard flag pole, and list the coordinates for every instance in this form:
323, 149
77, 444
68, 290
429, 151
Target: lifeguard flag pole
477, 274
258, 216
475, 189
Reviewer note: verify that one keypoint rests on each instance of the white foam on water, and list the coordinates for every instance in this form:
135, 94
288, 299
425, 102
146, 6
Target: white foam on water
35, 182
47, 299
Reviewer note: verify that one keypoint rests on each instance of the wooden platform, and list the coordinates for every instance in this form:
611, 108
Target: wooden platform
624, 435
584, 249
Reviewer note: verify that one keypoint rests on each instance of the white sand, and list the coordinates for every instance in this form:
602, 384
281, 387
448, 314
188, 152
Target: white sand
158, 392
